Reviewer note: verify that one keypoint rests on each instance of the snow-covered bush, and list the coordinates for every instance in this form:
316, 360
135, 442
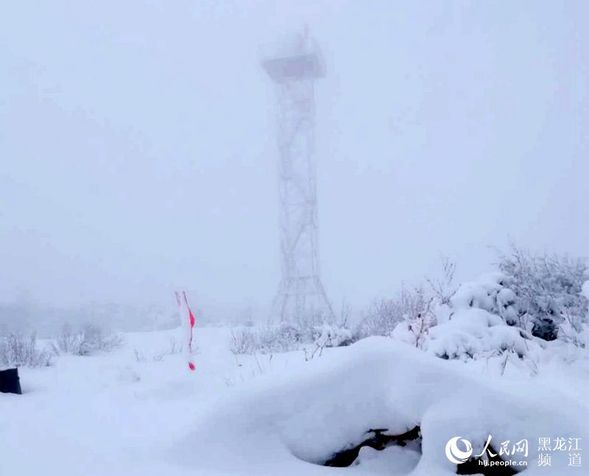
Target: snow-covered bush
443, 287
268, 340
414, 331
68, 341
244, 341
473, 333
88, 340
17, 350
409, 315
583, 336
285, 338
548, 291
491, 293
330, 335
382, 317
410, 311
481, 321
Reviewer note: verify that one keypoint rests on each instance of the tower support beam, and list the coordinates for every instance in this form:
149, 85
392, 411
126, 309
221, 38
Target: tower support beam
301, 296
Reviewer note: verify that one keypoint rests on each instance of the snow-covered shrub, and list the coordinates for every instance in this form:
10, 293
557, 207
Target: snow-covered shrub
481, 321
583, 336
285, 338
410, 310
268, 340
68, 341
382, 317
88, 340
244, 341
442, 288
414, 331
491, 293
413, 311
17, 350
548, 290
325, 336
329, 335
96, 339
473, 333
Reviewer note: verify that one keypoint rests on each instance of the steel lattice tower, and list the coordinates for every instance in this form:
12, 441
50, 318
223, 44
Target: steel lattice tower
301, 295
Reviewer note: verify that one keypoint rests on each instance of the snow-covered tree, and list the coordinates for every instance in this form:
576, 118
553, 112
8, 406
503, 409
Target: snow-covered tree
473, 333
533, 298
480, 322
548, 292
490, 292
408, 316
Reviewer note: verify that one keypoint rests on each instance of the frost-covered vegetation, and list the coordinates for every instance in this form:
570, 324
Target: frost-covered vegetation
513, 312
547, 289
87, 340
25, 350
411, 309
284, 338
530, 301
18, 350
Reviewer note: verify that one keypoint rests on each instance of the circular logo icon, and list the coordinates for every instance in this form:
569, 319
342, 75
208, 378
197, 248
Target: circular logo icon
455, 454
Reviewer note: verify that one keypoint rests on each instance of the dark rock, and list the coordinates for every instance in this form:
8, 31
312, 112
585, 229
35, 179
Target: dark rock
378, 441
9, 381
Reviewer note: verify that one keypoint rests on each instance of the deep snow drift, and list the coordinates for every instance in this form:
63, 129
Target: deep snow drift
314, 411
134, 412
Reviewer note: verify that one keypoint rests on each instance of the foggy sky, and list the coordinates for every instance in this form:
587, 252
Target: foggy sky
137, 147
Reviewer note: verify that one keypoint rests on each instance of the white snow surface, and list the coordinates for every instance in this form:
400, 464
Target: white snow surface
586, 289
111, 415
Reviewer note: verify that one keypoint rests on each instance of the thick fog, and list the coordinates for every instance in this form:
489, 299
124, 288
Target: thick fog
138, 151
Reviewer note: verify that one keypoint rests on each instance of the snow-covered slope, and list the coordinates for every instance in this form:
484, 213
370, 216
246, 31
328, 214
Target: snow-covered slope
138, 411
314, 411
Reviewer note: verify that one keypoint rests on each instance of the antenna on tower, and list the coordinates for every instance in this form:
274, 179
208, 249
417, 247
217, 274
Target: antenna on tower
294, 70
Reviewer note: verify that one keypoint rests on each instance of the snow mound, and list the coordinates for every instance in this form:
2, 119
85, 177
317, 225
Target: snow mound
292, 423
488, 292
473, 333
480, 322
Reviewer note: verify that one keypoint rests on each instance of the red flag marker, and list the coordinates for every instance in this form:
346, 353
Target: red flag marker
191, 323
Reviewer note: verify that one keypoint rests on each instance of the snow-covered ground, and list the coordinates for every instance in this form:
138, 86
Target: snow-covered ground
139, 411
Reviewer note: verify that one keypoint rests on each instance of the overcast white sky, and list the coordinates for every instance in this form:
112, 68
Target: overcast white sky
137, 148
